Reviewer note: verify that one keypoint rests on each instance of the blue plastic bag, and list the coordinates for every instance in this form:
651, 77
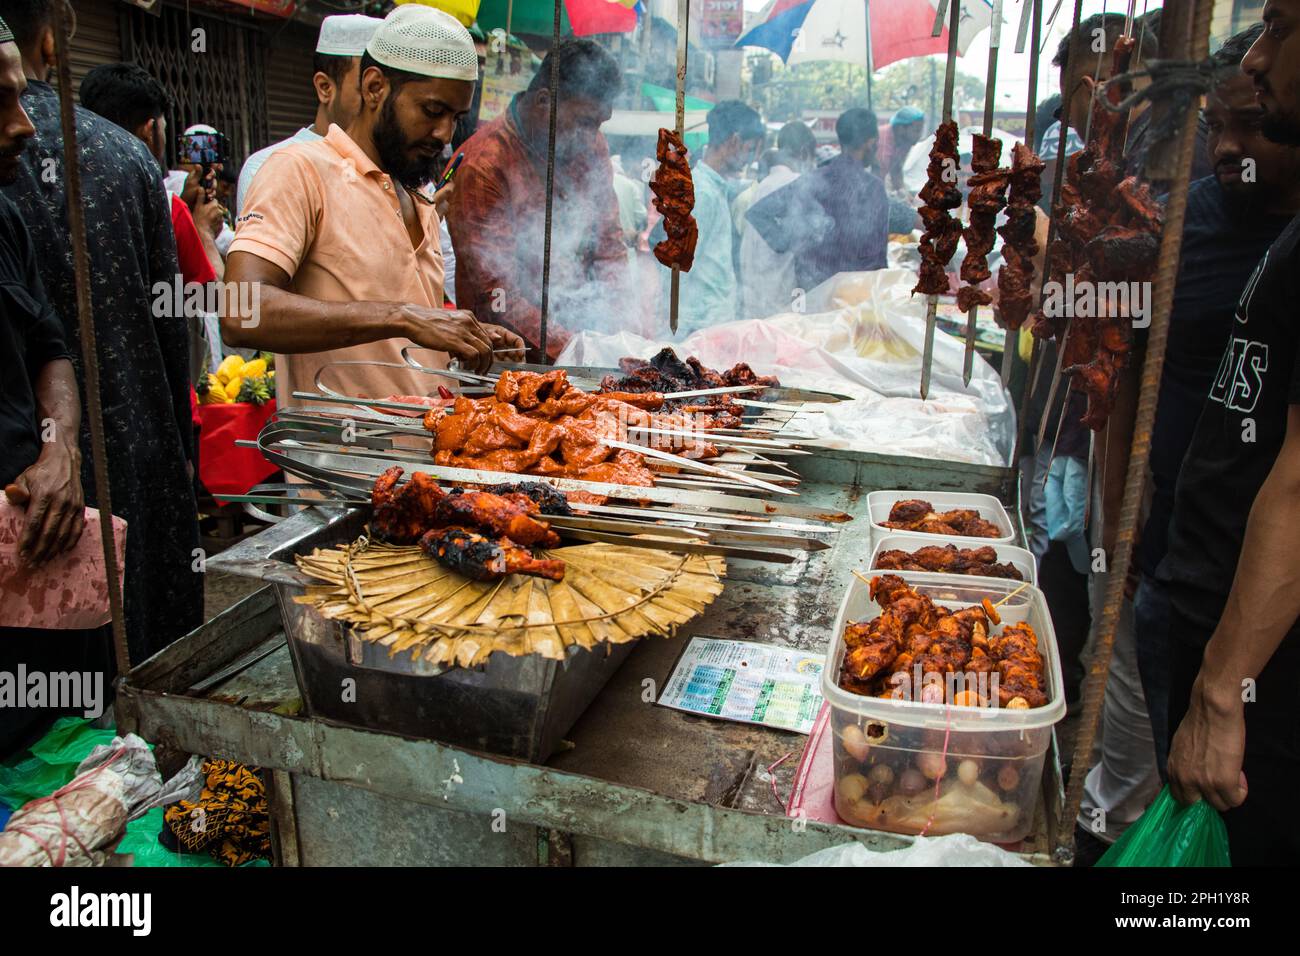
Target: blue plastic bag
1172, 834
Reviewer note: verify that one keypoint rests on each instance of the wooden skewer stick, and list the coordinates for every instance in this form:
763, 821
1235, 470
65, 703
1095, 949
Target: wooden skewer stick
1012, 594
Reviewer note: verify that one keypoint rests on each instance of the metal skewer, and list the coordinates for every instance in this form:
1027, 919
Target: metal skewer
1034, 7
689, 465
949, 78
683, 31
1061, 162
995, 41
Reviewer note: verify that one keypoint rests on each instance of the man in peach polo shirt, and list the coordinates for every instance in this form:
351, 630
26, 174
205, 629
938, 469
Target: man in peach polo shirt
339, 238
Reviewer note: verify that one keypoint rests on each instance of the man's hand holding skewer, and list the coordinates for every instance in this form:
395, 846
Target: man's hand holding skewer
463, 337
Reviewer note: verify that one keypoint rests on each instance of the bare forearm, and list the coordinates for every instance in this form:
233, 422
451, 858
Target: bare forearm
287, 323
1265, 599
57, 400
213, 253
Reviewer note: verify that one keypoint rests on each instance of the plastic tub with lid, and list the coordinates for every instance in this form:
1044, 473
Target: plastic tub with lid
912, 766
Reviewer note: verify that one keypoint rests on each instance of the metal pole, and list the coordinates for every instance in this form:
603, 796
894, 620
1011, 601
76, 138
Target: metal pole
647, 36
89, 349
683, 28
550, 186
1135, 480
866, 4
990, 82
949, 79
934, 91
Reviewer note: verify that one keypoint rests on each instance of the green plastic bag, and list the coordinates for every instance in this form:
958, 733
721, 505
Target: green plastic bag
52, 762
1171, 834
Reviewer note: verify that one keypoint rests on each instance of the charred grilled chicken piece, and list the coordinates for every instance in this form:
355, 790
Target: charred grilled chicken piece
948, 559
549, 500
499, 516
482, 559
1019, 665
912, 514
401, 512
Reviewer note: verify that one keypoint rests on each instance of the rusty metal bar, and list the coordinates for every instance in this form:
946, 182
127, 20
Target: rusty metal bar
89, 349
1171, 241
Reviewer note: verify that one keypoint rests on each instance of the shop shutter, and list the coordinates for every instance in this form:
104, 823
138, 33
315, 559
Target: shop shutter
97, 40
290, 98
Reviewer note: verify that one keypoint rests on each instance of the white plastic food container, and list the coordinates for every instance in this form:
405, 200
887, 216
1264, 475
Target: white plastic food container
987, 762
1022, 560
990, 509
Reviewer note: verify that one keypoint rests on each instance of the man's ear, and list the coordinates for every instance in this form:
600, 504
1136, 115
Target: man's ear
48, 55
374, 87
325, 89
148, 131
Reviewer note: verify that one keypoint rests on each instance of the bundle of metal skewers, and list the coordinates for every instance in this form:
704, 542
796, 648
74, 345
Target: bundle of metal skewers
737, 504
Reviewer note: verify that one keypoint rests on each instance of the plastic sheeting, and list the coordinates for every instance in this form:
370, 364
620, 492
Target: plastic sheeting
958, 849
861, 335
82, 822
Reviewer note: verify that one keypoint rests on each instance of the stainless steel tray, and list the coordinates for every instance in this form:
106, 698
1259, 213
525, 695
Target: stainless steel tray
514, 706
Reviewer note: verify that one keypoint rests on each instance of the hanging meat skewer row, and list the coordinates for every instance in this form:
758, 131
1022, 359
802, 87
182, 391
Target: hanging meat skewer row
940, 195
1108, 231
1015, 299
988, 187
912, 632
451, 525
675, 198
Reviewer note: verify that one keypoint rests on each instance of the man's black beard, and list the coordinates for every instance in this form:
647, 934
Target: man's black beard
393, 148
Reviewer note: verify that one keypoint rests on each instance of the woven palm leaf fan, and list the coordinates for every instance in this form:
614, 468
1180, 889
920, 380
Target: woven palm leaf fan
401, 599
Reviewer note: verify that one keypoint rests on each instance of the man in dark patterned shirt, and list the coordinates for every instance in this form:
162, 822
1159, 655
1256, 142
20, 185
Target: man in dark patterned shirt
143, 359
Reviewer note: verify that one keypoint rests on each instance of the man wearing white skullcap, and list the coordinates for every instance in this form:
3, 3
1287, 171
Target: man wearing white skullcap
339, 47
342, 234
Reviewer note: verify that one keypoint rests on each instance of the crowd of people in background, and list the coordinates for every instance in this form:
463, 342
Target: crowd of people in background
361, 248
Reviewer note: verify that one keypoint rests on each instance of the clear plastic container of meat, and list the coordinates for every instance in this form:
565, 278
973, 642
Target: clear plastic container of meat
989, 508
1020, 559
915, 766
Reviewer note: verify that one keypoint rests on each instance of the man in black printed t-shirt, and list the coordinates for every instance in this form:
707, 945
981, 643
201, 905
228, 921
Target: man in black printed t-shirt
1232, 569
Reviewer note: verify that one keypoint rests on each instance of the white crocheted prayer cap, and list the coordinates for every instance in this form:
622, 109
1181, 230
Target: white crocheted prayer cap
419, 39
346, 34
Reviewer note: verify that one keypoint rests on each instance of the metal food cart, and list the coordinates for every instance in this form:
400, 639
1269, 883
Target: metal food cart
633, 783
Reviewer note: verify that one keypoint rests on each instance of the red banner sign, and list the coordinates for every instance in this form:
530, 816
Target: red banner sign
721, 23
